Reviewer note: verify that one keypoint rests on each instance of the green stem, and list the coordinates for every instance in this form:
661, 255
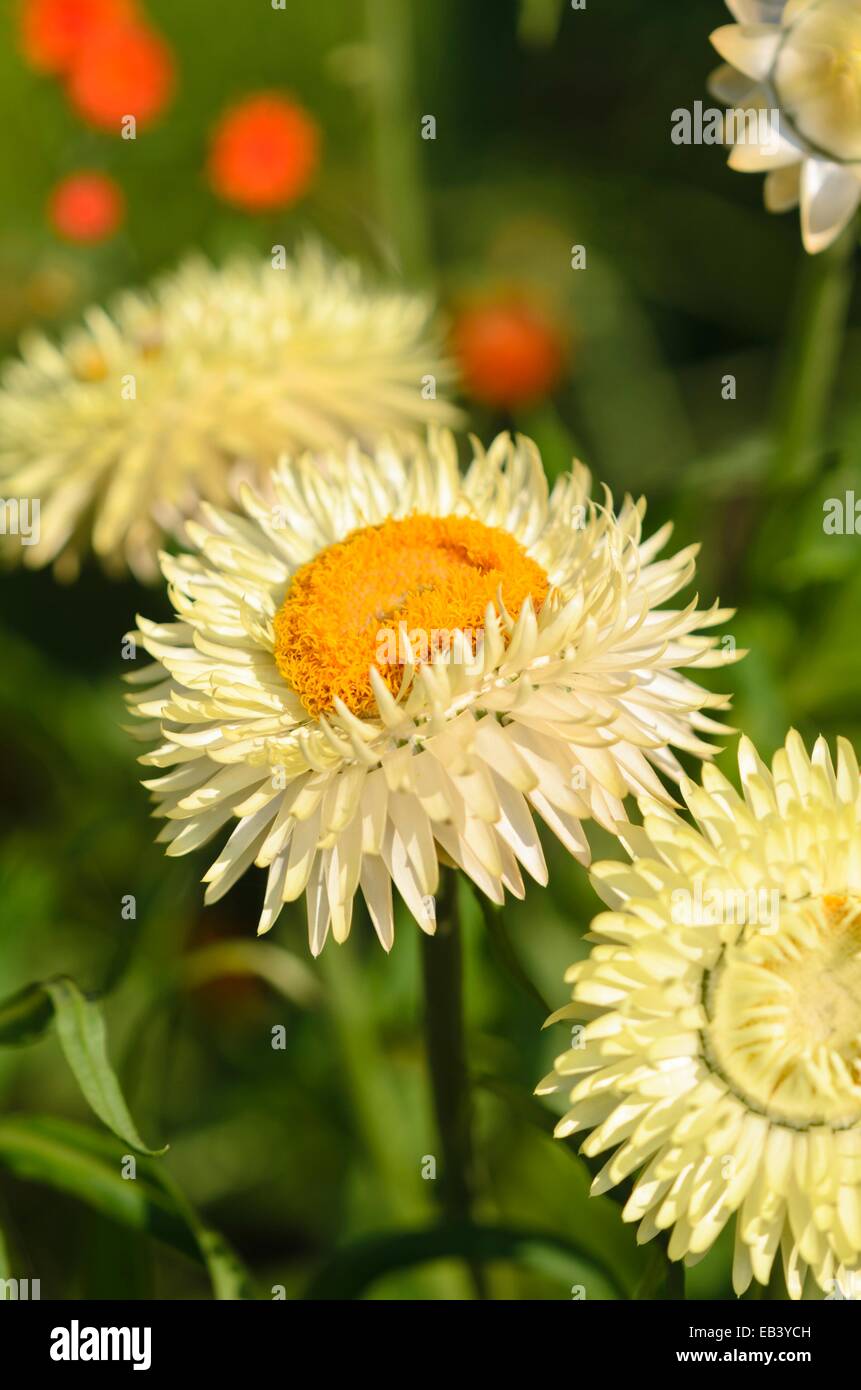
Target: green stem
811, 359
397, 134
663, 1279
369, 1090
674, 1287
375, 1101
442, 971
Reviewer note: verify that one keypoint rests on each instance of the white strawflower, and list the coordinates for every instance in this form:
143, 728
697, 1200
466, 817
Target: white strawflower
802, 60
397, 663
720, 1057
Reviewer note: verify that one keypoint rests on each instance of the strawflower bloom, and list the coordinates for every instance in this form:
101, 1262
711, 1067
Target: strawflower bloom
800, 61
719, 1056
395, 665
174, 393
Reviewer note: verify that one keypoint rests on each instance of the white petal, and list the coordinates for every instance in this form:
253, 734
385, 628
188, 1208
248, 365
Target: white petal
732, 87
778, 153
756, 11
318, 910
783, 188
829, 199
376, 887
751, 49
794, 8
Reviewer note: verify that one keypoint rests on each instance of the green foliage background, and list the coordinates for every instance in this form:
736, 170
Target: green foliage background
552, 129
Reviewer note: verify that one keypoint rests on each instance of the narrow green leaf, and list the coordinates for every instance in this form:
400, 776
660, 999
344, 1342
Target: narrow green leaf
230, 1279
76, 1160
88, 1166
355, 1268
5, 1268
81, 1030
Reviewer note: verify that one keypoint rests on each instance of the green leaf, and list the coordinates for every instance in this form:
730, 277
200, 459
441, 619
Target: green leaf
73, 1159
81, 1030
27, 1015
230, 1279
354, 1269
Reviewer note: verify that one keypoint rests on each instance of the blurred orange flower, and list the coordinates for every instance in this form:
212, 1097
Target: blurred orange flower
86, 206
509, 352
53, 32
125, 69
264, 152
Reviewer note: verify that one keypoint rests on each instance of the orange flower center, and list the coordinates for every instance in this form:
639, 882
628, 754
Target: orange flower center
409, 585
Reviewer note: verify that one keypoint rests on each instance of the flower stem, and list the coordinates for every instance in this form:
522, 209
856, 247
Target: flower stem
376, 1103
364, 1063
663, 1278
675, 1282
397, 135
442, 971
811, 359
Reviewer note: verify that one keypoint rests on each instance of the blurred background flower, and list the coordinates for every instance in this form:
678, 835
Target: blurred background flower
509, 352
115, 64
264, 153
86, 207
54, 33
122, 70
174, 394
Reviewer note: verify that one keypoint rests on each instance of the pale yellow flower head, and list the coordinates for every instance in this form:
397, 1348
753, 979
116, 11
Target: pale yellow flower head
719, 1055
176, 394
389, 663
801, 61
